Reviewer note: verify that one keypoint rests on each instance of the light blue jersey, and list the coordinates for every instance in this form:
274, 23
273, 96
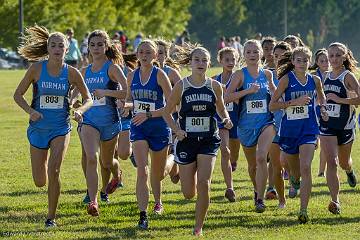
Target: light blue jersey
51, 99
254, 109
104, 111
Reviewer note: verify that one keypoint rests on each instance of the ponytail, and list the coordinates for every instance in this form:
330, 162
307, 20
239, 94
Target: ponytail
285, 65
35, 43
185, 53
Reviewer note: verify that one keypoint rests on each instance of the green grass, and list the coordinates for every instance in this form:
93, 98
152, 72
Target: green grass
23, 207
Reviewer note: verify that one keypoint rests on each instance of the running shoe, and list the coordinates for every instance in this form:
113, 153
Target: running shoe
93, 209
334, 207
286, 175
132, 159
158, 208
282, 205
112, 185
230, 195
260, 206
104, 197
50, 223
292, 191
143, 223
303, 217
351, 178
321, 174
197, 232
271, 194
233, 166
86, 199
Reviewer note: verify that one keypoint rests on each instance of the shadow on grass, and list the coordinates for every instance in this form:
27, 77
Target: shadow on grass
21, 193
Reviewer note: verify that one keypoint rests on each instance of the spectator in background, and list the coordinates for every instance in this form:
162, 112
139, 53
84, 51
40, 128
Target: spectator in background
184, 37
258, 36
73, 56
123, 40
84, 49
238, 46
137, 41
221, 43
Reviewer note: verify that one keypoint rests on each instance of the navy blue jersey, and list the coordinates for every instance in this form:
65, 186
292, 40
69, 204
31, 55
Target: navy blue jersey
233, 108
299, 120
254, 109
148, 96
104, 111
51, 99
197, 110
341, 116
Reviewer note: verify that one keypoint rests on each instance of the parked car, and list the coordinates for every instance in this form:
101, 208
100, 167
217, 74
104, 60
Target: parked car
12, 58
4, 64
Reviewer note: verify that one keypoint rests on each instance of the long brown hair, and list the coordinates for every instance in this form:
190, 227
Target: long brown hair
318, 53
113, 51
35, 43
168, 60
185, 53
285, 65
350, 62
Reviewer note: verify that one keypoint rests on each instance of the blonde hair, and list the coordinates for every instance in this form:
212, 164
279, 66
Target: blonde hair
150, 42
34, 46
246, 44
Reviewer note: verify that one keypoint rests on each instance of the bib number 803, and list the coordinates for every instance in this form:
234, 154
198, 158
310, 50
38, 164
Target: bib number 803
51, 99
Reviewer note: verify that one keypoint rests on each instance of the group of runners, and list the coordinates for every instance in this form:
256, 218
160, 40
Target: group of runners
276, 106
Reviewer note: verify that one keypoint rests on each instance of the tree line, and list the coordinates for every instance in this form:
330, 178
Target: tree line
318, 22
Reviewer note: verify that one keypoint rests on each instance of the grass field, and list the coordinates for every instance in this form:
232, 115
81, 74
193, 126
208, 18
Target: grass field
23, 207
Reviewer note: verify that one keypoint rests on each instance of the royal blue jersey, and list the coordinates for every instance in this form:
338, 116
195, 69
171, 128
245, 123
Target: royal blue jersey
148, 96
51, 99
254, 108
319, 74
299, 120
166, 69
197, 110
104, 111
341, 116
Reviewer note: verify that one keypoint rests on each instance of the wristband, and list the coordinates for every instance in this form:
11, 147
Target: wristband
148, 114
224, 120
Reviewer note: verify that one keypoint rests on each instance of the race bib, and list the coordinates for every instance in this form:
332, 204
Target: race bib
197, 124
229, 106
297, 112
51, 102
256, 106
97, 101
333, 110
141, 107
